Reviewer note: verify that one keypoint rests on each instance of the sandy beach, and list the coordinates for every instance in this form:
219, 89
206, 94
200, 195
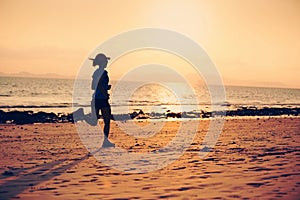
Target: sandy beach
253, 159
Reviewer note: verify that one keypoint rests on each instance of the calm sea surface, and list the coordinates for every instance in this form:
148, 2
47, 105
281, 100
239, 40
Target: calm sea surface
56, 95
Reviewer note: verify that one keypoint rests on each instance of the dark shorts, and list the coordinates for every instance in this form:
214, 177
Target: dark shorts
101, 103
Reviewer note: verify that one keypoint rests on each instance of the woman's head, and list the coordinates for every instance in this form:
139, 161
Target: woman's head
101, 60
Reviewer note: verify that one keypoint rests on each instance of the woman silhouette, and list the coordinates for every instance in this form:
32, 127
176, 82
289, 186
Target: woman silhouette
100, 98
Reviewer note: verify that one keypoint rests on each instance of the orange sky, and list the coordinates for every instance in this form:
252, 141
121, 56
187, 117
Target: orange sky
252, 42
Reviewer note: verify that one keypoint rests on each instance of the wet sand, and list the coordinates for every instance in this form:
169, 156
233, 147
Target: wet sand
253, 159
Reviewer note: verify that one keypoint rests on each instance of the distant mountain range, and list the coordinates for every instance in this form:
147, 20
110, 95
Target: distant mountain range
32, 75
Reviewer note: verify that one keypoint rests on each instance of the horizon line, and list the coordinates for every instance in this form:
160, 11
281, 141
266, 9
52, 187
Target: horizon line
25, 74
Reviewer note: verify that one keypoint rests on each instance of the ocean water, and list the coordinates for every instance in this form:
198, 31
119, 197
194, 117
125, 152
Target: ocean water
56, 95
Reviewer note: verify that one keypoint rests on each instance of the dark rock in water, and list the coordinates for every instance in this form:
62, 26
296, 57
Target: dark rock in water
206, 115
173, 115
43, 117
138, 115
263, 112
2, 117
17, 117
133, 115
66, 118
29, 117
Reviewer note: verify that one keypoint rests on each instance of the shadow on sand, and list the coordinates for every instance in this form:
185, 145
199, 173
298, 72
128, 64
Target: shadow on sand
35, 176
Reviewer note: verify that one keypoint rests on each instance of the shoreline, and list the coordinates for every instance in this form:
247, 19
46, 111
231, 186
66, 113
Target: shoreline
31, 117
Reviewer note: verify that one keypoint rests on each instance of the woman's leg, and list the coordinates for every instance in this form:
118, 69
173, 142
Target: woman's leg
93, 118
106, 114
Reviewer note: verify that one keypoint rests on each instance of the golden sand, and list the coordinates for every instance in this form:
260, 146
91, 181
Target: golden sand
253, 159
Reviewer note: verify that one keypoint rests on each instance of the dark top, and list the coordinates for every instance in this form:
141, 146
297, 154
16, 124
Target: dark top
100, 84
